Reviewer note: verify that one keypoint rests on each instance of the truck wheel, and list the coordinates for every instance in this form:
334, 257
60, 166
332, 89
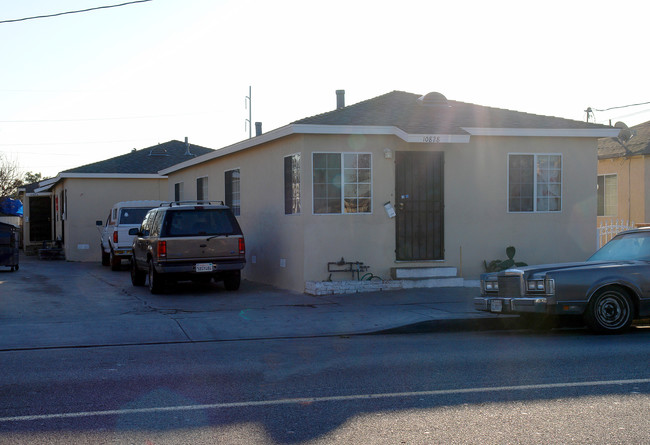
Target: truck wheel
610, 311
155, 281
116, 262
138, 277
232, 280
106, 258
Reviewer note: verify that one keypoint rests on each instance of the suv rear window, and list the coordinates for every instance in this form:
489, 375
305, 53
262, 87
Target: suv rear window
133, 216
200, 222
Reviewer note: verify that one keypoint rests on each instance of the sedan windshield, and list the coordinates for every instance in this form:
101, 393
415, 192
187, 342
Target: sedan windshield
629, 246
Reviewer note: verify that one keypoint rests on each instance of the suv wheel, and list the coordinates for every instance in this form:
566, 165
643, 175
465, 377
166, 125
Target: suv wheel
116, 262
155, 280
138, 277
232, 280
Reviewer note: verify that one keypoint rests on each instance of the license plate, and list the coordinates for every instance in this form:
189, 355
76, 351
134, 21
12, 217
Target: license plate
204, 267
496, 306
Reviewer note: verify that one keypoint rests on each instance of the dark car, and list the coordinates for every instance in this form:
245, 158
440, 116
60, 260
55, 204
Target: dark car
609, 290
188, 240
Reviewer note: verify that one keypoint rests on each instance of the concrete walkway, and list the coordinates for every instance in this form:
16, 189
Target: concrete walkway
50, 304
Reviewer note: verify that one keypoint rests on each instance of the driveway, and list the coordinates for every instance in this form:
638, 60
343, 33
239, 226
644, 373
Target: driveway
65, 304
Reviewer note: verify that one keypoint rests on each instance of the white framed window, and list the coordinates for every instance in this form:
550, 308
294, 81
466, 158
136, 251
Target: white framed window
607, 195
178, 191
292, 184
233, 193
534, 183
342, 183
202, 188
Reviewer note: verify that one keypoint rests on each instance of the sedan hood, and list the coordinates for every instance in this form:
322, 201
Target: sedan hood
541, 269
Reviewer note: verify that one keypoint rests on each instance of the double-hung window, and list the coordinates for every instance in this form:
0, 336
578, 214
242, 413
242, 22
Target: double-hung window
292, 184
342, 183
607, 195
534, 183
232, 184
178, 191
202, 188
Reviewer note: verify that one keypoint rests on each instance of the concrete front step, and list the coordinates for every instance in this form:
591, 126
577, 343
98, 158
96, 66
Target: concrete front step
422, 273
433, 282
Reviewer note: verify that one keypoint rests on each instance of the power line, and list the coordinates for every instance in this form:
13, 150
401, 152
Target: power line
622, 106
104, 118
27, 144
73, 12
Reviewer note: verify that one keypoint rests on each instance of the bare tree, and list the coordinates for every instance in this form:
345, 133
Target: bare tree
10, 177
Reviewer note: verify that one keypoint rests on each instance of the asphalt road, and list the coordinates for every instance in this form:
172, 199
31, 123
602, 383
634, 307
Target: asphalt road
566, 386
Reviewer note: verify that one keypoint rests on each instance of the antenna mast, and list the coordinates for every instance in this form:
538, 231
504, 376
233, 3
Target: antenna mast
248, 104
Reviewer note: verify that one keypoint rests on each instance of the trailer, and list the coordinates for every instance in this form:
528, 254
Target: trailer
9, 245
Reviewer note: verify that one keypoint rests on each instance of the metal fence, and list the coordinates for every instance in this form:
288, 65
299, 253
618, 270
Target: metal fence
609, 229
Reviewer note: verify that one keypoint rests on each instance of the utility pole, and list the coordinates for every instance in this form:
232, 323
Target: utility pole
589, 111
248, 104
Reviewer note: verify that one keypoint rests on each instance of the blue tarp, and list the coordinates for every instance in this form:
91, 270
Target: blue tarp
11, 207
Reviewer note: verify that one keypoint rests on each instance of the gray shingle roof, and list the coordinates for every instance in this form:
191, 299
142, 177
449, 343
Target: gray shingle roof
639, 144
405, 111
145, 161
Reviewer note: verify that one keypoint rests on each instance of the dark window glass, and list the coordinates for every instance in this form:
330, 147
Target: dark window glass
200, 222
201, 189
132, 216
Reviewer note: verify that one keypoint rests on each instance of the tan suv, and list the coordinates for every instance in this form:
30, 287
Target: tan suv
188, 240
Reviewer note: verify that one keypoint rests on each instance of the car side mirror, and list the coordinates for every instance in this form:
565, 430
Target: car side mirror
99, 223
134, 231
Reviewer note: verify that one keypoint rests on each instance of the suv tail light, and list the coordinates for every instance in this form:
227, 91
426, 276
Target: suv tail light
242, 246
162, 249
115, 236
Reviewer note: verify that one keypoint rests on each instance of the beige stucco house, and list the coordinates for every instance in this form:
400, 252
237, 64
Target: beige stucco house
624, 176
81, 196
400, 182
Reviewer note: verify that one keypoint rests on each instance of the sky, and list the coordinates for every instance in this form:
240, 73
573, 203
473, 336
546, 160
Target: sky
81, 88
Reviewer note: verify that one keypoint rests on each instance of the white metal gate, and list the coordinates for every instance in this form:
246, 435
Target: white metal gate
609, 229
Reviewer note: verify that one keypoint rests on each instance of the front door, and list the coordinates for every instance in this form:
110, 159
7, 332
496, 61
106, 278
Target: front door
419, 201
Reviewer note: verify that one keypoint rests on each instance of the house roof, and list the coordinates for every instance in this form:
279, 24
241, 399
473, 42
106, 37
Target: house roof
637, 145
145, 161
434, 114
29, 188
419, 119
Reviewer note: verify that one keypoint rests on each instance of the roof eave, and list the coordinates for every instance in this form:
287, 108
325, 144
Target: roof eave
318, 129
545, 132
47, 184
391, 130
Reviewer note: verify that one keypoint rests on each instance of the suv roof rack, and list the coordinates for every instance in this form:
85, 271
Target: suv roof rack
180, 203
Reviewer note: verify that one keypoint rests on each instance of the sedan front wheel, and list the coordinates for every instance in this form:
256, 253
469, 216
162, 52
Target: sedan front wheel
610, 311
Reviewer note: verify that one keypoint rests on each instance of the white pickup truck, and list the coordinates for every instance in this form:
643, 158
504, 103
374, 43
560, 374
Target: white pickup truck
115, 239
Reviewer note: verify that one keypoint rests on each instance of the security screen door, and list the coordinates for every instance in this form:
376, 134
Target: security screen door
419, 199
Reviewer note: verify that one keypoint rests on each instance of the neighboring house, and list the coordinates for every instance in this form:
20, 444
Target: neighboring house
37, 216
404, 181
81, 196
624, 176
